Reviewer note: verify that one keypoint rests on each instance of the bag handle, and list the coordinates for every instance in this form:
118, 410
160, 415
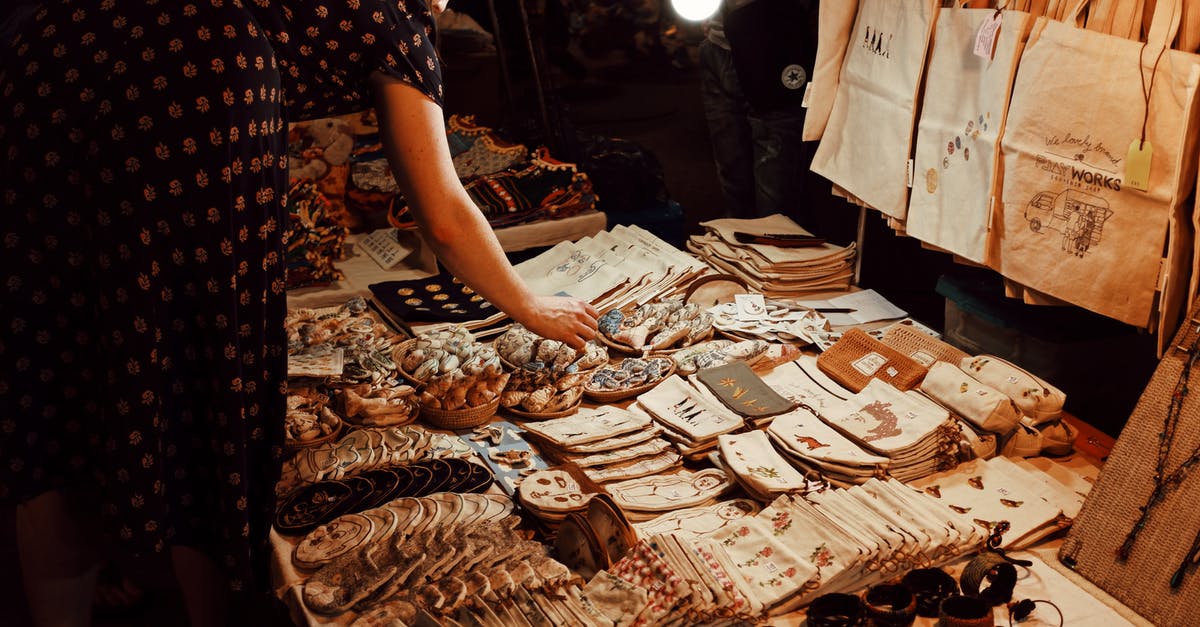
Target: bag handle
1100, 16
1189, 29
1127, 19
1164, 24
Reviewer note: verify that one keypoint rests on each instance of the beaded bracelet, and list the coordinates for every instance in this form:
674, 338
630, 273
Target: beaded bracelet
890, 605
930, 586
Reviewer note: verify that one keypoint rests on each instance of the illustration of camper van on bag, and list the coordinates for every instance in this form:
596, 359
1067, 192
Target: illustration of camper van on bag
1079, 216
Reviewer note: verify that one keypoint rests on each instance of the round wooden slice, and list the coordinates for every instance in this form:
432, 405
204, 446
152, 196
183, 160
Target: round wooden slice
341, 535
310, 505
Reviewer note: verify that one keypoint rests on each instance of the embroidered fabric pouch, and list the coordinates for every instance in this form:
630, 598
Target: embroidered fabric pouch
588, 425
743, 391
980, 404
803, 434
857, 358
758, 465
693, 522
670, 492
886, 420
1037, 399
681, 408
802, 382
767, 567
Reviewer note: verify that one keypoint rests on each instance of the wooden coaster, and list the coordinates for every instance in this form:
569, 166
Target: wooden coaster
310, 505
342, 535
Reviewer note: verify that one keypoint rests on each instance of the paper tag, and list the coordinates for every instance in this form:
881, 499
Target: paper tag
869, 364
985, 38
1137, 165
384, 248
807, 95
750, 307
908, 172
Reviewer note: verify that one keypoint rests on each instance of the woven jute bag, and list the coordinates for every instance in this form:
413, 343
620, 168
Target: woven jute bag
1143, 581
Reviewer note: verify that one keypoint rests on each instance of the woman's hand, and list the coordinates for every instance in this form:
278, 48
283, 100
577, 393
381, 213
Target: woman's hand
437, 6
568, 320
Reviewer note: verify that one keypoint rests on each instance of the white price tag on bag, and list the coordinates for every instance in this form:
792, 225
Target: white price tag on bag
985, 38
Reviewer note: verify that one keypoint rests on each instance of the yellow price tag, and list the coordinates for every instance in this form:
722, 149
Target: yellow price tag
1137, 165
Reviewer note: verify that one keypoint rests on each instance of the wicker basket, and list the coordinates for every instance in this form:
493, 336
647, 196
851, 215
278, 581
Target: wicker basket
292, 445
460, 418
545, 415
398, 354
612, 396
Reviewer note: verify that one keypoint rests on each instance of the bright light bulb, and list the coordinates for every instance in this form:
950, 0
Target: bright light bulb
695, 10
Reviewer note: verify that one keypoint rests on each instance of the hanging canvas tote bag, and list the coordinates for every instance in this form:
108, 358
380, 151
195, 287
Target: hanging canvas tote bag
868, 139
1076, 223
835, 19
958, 137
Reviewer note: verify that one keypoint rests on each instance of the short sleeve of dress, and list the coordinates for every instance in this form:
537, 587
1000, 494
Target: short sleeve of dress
327, 50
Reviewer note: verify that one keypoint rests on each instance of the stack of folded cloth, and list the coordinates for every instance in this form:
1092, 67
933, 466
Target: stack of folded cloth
761, 471
647, 498
608, 443
769, 269
1033, 502
689, 417
783, 557
919, 436
811, 445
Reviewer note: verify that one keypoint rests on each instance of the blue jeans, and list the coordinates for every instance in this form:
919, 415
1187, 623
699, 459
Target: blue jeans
762, 162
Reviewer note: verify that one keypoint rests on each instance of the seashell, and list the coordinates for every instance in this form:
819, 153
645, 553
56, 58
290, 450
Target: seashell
655, 368
567, 381
563, 356
669, 335
412, 359
522, 355
634, 337
610, 322
512, 398
428, 400
472, 366
603, 380
480, 394
537, 399
427, 369
565, 400
534, 366
548, 350
456, 396
492, 367
699, 327
449, 363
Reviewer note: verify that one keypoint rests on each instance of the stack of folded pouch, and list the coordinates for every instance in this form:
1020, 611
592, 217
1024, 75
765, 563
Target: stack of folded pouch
608, 443
811, 445
776, 560
689, 418
1042, 429
761, 471
1033, 503
647, 498
919, 436
693, 522
772, 270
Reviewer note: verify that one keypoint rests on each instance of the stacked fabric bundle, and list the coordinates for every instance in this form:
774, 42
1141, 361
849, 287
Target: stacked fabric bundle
608, 443
769, 269
918, 435
647, 498
690, 418
1032, 502
781, 558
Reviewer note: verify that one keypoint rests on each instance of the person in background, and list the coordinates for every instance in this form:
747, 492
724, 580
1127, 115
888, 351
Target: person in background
142, 349
755, 61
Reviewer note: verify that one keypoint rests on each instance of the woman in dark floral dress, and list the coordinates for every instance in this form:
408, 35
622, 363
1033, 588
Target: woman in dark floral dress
142, 363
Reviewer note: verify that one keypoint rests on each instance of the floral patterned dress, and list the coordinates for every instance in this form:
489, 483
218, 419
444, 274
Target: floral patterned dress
142, 193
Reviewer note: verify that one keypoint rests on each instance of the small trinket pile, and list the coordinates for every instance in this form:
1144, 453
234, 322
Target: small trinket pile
454, 372
549, 375
631, 375
658, 326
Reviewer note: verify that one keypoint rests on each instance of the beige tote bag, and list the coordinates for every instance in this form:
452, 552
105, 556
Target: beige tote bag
958, 136
1074, 225
868, 141
835, 18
